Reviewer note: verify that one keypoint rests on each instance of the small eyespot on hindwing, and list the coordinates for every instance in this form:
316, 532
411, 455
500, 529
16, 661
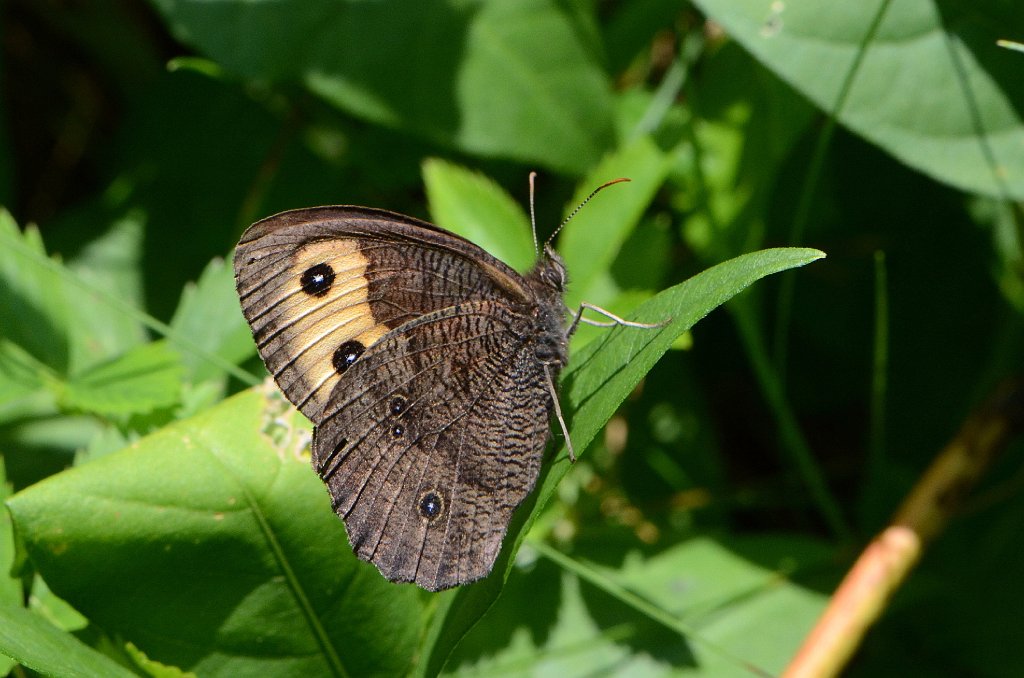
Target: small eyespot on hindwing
430, 505
397, 405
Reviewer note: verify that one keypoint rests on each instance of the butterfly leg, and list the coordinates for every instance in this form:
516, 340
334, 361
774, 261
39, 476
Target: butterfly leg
613, 319
558, 413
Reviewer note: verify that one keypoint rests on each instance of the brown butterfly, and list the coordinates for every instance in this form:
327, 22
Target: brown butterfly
428, 368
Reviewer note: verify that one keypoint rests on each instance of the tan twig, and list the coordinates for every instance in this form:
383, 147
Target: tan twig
886, 562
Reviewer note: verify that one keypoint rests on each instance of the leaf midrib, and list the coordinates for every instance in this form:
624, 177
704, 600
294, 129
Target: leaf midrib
312, 620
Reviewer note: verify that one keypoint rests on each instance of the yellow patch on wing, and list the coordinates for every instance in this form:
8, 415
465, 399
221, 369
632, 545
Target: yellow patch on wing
304, 330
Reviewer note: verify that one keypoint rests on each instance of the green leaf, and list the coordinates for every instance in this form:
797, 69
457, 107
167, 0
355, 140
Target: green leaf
506, 78
963, 123
22, 382
53, 312
209, 315
43, 647
142, 380
472, 205
46, 604
154, 669
211, 546
112, 263
726, 597
733, 591
109, 438
595, 383
33, 310
601, 376
10, 586
529, 89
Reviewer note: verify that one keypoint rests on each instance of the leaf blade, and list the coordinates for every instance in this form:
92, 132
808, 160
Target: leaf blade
963, 127
40, 646
224, 533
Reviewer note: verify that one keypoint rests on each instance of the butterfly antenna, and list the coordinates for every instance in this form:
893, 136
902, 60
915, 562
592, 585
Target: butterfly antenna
597, 190
533, 215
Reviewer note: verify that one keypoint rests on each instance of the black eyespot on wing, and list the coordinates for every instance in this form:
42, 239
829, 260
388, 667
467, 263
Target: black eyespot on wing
430, 505
398, 430
346, 355
316, 280
397, 405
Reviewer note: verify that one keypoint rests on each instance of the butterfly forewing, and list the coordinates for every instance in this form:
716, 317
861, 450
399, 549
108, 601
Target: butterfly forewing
319, 286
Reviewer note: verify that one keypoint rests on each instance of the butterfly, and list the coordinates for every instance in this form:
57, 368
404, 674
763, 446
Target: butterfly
428, 368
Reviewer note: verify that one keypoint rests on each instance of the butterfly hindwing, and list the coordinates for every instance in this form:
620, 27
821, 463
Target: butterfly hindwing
319, 286
432, 439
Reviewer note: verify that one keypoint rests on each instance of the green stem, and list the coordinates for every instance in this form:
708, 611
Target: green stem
879, 371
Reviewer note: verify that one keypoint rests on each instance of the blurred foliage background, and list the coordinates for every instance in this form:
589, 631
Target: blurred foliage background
730, 491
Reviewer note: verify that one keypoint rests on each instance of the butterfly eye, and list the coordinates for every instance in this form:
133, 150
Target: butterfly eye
346, 354
430, 505
397, 405
316, 280
553, 276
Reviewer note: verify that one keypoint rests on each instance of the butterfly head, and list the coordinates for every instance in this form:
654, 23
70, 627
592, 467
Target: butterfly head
549, 273
548, 280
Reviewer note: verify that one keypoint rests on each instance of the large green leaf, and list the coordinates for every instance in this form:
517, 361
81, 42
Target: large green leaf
596, 382
932, 88
510, 78
212, 546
